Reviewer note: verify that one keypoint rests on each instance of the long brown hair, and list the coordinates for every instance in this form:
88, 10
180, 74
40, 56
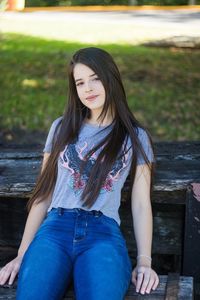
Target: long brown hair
67, 130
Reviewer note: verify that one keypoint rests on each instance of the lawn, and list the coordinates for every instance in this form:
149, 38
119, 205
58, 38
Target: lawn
162, 85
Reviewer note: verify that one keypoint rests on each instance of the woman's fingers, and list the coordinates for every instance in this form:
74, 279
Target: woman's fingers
145, 279
140, 278
145, 272
150, 284
15, 270
12, 276
10, 270
155, 283
4, 275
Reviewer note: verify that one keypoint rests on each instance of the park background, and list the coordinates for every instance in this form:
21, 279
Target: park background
157, 49
159, 64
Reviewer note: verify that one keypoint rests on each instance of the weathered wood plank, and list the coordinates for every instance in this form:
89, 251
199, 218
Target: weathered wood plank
168, 224
172, 286
178, 164
167, 230
185, 291
186, 288
166, 150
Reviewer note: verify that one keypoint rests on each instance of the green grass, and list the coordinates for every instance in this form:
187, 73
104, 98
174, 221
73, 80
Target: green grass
162, 85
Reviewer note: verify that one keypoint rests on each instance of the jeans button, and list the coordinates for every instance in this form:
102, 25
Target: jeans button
97, 213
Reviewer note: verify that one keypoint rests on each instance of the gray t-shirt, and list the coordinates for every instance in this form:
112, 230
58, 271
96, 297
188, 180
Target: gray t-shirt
68, 188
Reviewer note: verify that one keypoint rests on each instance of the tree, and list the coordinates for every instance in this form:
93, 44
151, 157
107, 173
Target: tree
192, 2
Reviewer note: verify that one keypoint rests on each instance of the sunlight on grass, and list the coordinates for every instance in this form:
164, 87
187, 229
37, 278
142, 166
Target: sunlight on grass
162, 85
30, 82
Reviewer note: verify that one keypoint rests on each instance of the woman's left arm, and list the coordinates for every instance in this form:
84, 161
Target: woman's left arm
143, 276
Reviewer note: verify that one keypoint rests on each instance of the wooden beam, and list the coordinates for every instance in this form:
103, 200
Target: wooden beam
185, 291
172, 286
191, 265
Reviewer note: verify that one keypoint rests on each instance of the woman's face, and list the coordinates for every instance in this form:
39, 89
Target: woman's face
89, 87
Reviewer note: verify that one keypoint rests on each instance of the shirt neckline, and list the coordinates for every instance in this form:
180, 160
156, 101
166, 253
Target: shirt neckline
97, 126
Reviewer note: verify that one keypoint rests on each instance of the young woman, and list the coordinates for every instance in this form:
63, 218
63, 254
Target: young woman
73, 227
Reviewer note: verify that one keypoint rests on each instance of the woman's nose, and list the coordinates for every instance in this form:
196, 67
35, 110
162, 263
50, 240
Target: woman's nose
88, 86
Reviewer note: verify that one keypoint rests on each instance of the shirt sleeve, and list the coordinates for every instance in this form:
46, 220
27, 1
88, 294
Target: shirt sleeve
144, 140
49, 140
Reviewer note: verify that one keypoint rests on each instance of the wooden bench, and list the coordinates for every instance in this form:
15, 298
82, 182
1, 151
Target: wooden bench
178, 165
171, 287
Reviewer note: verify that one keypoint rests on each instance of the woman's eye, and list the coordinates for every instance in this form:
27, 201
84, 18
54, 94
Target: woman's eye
81, 83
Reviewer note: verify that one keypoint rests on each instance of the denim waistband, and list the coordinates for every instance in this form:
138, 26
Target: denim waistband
62, 210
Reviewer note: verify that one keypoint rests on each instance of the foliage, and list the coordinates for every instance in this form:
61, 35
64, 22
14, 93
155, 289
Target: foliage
32, 3
162, 85
3, 5
104, 2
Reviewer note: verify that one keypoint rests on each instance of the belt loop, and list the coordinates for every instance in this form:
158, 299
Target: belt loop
60, 211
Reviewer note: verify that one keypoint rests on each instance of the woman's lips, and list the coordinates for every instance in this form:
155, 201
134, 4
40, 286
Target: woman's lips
91, 98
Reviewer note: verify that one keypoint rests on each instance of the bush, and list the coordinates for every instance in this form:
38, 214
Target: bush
103, 2
32, 3
162, 2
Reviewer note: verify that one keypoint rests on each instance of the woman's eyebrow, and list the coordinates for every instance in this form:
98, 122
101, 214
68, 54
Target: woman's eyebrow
81, 78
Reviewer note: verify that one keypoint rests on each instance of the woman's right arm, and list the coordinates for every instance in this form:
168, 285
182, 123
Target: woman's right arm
34, 220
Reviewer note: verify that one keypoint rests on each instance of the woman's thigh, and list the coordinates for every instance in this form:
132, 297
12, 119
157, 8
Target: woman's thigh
45, 271
103, 271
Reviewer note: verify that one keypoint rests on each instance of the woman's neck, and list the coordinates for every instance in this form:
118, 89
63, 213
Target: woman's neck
94, 119
105, 122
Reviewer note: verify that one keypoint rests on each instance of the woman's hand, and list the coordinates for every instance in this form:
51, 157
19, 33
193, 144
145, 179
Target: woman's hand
10, 270
145, 279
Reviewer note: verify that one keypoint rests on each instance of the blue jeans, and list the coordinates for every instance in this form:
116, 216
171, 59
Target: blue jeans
73, 244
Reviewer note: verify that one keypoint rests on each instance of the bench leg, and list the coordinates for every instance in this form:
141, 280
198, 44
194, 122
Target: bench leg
191, 261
